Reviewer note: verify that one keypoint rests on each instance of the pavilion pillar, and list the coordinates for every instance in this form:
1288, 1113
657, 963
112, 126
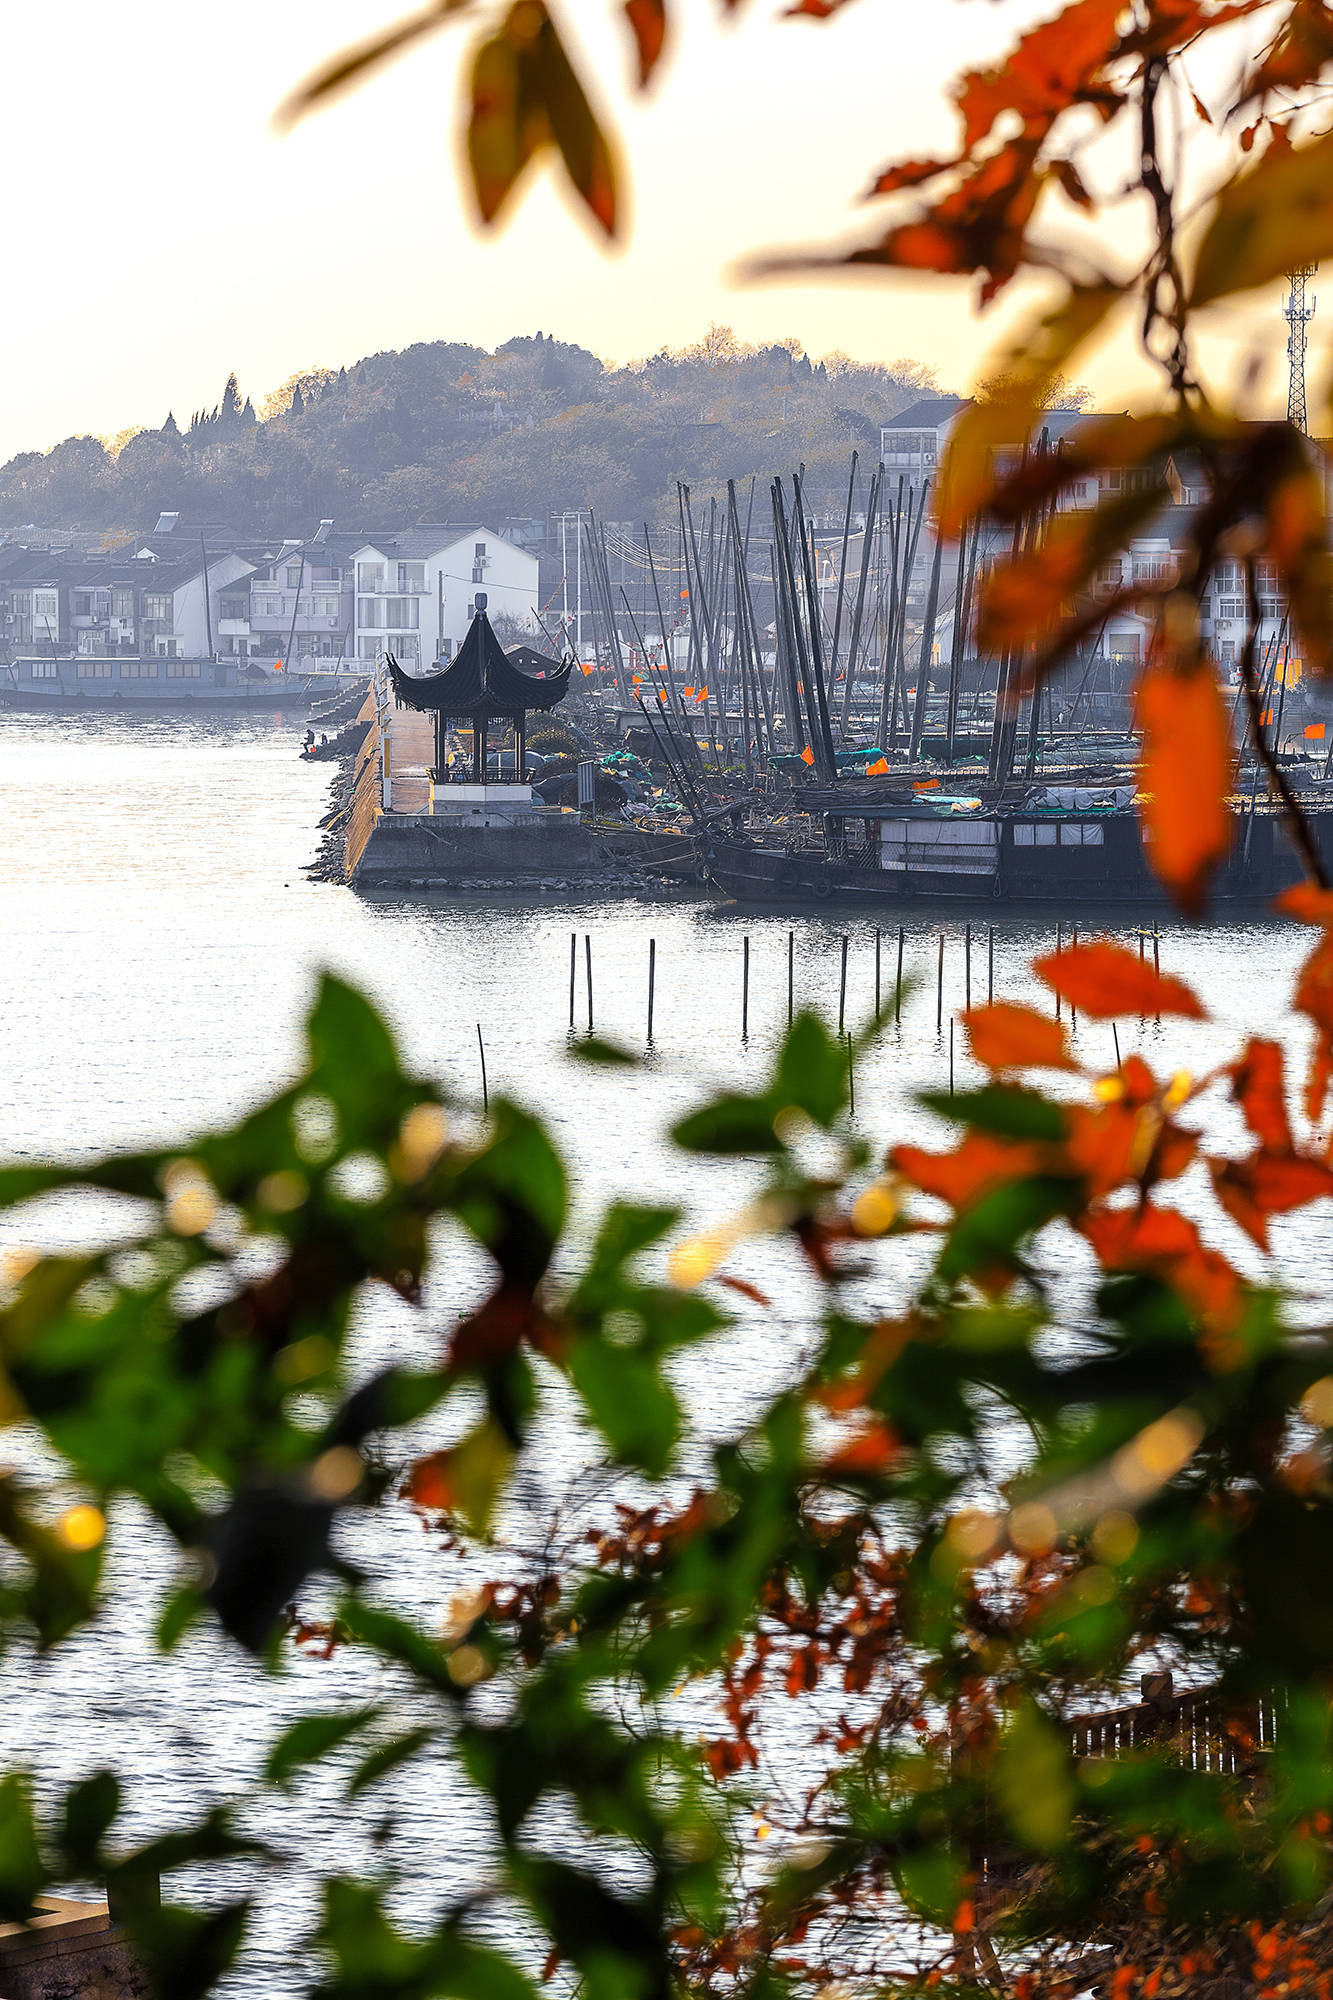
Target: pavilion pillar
479, 721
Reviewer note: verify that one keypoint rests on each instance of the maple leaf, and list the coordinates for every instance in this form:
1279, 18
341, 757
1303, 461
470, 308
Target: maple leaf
1005, 1035
1186, 771
1104, 980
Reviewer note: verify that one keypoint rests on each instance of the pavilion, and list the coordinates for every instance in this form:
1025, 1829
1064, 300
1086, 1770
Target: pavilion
482, 684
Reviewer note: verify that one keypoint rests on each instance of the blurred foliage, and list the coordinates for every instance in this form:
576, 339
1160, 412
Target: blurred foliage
874, 1586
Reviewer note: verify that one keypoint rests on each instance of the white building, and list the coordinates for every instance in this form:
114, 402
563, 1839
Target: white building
415, 591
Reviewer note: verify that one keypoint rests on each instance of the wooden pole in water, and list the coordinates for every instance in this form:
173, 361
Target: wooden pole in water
842, 988
745, 992
939, 989
878, 941
652, 982
573, 971
1073, 1010
898, 989
791, 974
587, 956
851, 1079
990, 964
485, 1093
1059, 947
951, 1056
1116, 1039
1156, 960
967, 964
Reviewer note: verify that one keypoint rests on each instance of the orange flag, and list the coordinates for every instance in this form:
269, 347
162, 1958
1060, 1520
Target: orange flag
927, 785
807, 756
1315, 730
878, 769
703, 694
689, 694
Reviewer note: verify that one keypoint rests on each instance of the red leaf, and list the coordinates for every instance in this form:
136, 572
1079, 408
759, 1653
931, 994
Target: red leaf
1166, 1243
1104, 980
1186, 770
1258, 1084
648, 24
1006, 1036
976, 1166
1266, 1184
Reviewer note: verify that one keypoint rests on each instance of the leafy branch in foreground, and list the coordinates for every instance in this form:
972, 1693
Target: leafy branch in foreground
959, 1523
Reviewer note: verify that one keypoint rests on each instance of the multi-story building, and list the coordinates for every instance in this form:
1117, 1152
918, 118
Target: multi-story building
415, 591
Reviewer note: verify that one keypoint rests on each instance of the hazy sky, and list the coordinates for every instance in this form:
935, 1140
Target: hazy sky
162, 233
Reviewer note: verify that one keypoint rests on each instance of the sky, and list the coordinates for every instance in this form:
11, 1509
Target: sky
163, 232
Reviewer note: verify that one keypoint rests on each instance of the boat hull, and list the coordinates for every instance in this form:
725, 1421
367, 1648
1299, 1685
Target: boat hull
1114, 874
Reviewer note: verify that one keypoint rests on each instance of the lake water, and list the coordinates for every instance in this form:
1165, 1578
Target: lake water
160, 945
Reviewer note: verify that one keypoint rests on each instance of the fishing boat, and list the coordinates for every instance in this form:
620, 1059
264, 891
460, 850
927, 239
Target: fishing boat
1075, 846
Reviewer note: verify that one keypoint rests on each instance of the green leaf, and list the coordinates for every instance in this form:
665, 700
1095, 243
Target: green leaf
387, 1757
1275, 219
1008, 1112
89, 1810
730, 1124
310, 1740
22, 1874
603, 1055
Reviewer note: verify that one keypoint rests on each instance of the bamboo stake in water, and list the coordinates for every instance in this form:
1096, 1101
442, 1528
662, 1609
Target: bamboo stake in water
1059, 947
878, 941
898, 988
485, 1093
939, 990
652, 982
745, 992
851, 1079
951, 1055
1116, 1039
791, 974
1156, 961
990, 964
587, 954
842, 990
1073, 1010
967, 964
573, 971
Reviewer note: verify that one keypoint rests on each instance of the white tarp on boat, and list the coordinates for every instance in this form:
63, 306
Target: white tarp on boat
1078, 798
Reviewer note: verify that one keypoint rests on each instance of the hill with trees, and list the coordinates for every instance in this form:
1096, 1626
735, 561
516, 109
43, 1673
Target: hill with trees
446, 431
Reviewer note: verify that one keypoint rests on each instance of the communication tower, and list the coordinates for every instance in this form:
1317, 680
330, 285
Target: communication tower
1298, 312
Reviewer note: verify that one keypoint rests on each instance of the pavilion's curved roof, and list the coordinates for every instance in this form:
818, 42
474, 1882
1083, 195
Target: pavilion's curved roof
483, 679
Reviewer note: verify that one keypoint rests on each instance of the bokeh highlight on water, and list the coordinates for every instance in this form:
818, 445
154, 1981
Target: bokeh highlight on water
161, 944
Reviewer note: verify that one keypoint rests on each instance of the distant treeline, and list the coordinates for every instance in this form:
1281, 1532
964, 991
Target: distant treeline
444, 431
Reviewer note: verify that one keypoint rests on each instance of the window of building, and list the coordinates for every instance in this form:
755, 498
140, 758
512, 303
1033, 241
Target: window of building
293, 576
157, 605
326, 604
44, 670
1154, 569
402, 614
1228, 576
370, 576
94, 670
411, 576
370, 614
83, 604
367, 648
1080, 834
22, 602
46, 604
122, 603
268, 607
138, 670
234, 607
183, 670
405, 646
1230, 607
1025, 835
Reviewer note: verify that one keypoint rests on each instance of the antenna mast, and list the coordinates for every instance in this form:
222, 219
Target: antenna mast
1298, 312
